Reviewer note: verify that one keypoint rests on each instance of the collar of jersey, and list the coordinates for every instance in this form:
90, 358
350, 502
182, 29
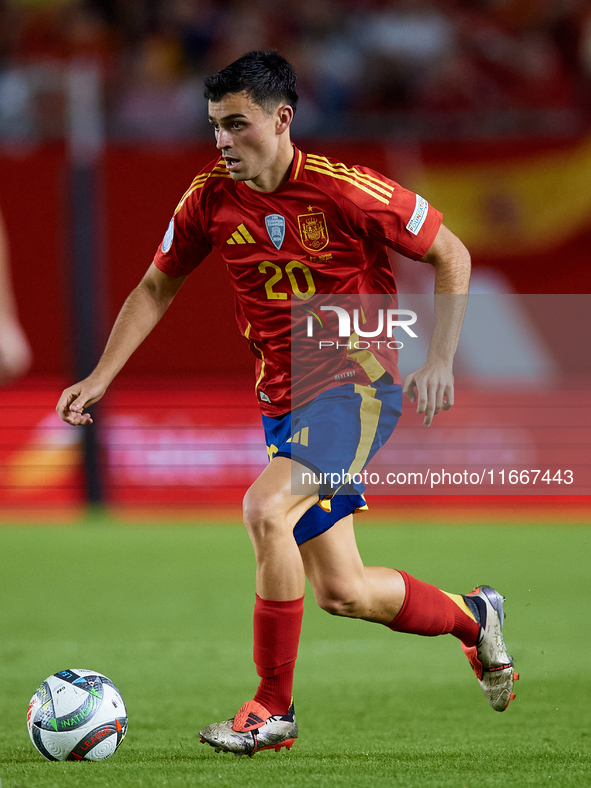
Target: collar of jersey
298, 156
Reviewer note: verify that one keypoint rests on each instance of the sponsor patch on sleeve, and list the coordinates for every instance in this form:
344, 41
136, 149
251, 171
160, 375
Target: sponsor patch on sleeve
420, 214
168, 236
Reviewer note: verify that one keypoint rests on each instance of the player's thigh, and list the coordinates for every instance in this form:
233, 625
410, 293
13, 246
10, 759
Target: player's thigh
270, 505
333, 566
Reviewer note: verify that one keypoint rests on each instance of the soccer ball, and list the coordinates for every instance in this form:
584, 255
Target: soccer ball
77, 715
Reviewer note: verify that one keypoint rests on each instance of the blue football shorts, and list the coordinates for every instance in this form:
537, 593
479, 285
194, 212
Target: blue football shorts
335, 435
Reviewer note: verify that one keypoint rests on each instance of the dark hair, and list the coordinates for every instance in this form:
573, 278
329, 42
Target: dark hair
264, 75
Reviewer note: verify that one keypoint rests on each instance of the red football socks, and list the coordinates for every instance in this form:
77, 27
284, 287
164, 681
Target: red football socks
429, 611
277, 627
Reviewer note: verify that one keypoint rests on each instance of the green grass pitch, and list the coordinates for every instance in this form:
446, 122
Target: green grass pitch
166, 613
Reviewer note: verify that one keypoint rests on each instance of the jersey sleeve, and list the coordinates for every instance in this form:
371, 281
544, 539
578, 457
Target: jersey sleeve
185, 244
393, 215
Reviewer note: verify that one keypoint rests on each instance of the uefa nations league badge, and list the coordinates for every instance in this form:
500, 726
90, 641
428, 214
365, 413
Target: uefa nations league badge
168, 237
275, 224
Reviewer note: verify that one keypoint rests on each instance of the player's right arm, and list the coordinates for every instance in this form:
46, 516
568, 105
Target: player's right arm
142, 310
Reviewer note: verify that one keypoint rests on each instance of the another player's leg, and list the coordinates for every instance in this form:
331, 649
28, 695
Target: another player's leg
344, 586
270, 514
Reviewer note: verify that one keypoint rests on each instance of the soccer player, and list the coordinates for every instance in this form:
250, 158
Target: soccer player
290, 224
15, 351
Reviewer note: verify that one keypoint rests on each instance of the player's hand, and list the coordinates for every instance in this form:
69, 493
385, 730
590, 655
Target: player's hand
432, 388
76, 398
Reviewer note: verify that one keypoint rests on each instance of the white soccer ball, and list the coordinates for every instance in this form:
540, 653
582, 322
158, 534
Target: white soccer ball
77, 715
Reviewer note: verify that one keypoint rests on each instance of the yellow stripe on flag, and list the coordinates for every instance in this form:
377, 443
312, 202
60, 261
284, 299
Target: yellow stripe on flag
517, 206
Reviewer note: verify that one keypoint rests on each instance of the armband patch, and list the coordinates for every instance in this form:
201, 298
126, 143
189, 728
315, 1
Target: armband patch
420, 214
168, 236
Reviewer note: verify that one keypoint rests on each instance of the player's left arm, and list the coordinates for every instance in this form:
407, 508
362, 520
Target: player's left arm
432, 386
15, 352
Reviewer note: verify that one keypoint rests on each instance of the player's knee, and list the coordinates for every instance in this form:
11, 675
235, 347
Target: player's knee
263, 516
340, 601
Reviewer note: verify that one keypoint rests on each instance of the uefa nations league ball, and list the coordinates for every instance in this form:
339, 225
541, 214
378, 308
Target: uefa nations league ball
77, 715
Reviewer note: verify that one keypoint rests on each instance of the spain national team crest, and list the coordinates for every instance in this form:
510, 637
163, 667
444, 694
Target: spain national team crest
313, 231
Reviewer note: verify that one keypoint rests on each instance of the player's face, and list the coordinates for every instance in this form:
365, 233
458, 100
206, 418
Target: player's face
250, 139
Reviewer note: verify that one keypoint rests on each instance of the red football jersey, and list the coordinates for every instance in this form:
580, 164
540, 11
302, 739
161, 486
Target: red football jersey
323, 232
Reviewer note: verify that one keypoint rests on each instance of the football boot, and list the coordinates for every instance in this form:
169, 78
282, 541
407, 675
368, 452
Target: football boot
251, 730
489, 658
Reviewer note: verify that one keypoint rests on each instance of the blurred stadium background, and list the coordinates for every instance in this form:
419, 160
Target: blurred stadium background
482, 106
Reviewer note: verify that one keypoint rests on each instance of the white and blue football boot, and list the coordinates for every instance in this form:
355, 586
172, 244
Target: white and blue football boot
489, 658
251, 730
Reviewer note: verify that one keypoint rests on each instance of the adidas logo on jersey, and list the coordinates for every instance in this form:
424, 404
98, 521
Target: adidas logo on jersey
241, 236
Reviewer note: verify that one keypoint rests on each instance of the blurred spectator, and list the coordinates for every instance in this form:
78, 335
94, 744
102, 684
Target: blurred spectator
15, 353
156, 100
197, 26
428, 67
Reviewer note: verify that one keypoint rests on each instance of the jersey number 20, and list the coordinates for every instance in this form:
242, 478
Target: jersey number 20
290, 269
